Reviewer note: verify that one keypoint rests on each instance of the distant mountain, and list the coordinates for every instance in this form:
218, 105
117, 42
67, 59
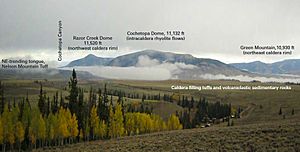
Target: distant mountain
291, 66
187, 66
89, 60
133, 58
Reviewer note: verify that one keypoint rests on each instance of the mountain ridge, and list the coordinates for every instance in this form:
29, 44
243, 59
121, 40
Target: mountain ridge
89, 60
288, 66
183, 66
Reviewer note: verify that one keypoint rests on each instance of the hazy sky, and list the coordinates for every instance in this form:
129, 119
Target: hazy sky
213, 28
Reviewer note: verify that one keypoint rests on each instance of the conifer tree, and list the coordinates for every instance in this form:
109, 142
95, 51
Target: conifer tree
73, 93
80, 114
62, 102
41, 102
26, 119
87, 130
2, 104
104, 112
280, 111
1, 132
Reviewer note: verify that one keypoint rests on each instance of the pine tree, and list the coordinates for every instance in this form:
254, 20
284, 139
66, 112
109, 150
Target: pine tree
185, 119
41, 102
229, 110
111, 123
101, 105
55, 106
1, 132
1, 98
26, 119
48, 111
81, 113
81, 135
280, 111
104, 113
87, 130
239, 112
228, 122
62, 102
142, 105
73, 93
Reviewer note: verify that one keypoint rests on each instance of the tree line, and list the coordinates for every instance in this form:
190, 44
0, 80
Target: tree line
55, 122
202, 111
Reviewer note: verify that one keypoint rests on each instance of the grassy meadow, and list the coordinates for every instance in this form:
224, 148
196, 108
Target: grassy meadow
260, 127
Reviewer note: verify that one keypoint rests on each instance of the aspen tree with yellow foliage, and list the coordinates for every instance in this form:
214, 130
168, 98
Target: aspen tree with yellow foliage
41, 130
116, 125
101, 129
62, 131
8, 127
173, 123
34, 126
50, 128
94, 121
73, 127
19, 133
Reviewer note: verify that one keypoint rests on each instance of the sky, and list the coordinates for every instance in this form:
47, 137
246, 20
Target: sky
214, 28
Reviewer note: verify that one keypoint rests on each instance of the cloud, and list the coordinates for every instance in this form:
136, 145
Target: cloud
145, 61
248, 78
174, 68
152, 69
127, 73
145, 69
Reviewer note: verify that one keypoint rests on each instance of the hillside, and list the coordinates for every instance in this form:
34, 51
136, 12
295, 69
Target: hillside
175, 66
260, 127
89, 60
282, 67
277, 136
